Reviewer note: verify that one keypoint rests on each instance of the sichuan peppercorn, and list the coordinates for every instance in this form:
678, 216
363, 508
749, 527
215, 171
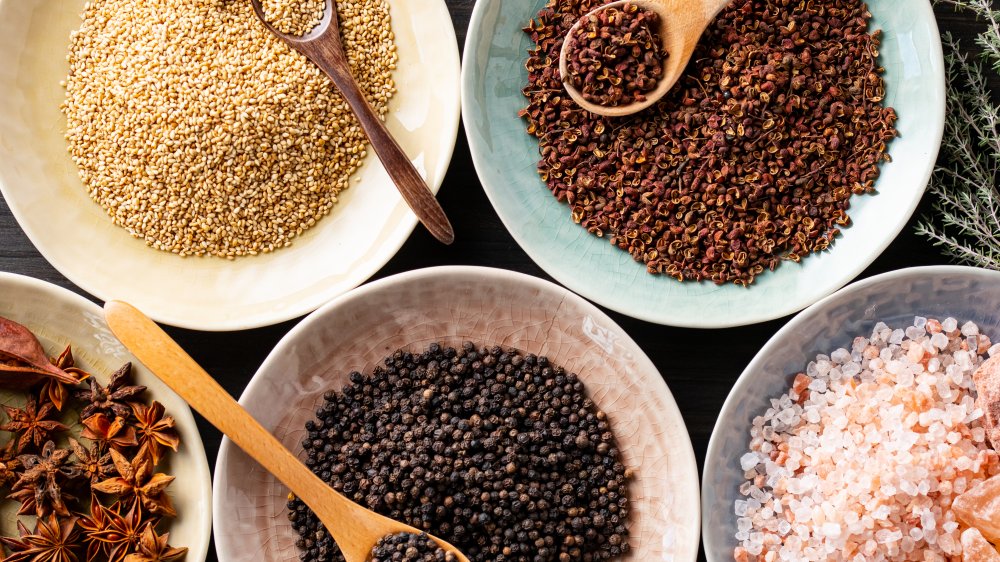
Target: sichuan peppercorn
615, 56
750, 159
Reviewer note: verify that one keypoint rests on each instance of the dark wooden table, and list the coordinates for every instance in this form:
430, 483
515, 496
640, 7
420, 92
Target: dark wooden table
699, 366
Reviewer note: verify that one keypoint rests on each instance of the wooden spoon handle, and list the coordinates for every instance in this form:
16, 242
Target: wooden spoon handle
161, 355
712, 8
332, 61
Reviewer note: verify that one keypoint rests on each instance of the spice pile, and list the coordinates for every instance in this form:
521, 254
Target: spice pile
501, 454
750, 159
201, 133
868, 456
294, 17
407, 547
99, 500
615, 58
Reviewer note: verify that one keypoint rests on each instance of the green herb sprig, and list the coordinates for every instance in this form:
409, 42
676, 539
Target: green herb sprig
965, 221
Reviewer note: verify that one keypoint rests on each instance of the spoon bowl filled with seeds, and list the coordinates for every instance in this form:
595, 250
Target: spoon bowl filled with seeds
194, 155
622, 57
496, 411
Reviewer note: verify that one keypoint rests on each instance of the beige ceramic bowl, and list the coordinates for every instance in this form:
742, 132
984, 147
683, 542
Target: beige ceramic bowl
58, 318
453, 305
40, 184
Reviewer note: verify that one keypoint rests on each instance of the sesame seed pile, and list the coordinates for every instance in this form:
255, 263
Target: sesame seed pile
861, 460
202, 134
294, 17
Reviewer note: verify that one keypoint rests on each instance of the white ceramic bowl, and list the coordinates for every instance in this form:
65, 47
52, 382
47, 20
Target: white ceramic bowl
895, 298
58, 318
40, 184
506, 158
452, 305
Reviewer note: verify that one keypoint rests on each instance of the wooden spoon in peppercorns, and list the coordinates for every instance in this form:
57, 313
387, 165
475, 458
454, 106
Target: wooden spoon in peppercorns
355, 529
323, 47
624, 56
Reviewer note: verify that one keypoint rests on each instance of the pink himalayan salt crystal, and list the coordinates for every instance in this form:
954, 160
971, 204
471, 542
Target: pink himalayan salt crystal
860, 461
975, 548
799, 386
979, 507
987, 379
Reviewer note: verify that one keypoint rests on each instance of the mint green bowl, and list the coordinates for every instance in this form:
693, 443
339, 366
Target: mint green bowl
505, 157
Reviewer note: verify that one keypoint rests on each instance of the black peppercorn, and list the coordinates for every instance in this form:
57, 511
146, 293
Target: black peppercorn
482, 458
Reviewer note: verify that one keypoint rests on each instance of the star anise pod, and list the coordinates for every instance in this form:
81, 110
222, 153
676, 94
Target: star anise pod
17, 546
109, 533
155, 430
90, 525
115, 434
31, 424
137, 480
56, 389
112, 398
9, 465
154, 548
40, 487
92, 465
54, 540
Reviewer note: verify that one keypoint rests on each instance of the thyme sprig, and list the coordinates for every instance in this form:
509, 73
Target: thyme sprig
965, 221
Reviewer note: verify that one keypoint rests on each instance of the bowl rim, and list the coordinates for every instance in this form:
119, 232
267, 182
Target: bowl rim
305, 305
684, 449
714, 460
202, 476
665, 316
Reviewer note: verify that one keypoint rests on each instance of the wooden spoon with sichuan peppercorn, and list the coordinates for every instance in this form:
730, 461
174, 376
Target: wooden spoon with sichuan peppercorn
624, 56
356, 530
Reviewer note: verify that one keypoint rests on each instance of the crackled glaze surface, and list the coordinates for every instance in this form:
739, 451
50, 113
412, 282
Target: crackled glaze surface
506, 158
371, 221
58, 318
895, 298
452, 305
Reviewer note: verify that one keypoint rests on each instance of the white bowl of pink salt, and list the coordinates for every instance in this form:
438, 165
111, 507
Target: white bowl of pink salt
861, 431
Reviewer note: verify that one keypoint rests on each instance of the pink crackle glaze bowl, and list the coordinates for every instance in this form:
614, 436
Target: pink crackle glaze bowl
452, 305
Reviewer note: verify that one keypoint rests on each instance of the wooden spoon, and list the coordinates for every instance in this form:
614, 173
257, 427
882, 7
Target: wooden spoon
681, 24
323, 47
354, 528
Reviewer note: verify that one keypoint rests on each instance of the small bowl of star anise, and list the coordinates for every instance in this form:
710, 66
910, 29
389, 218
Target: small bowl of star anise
99, 461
